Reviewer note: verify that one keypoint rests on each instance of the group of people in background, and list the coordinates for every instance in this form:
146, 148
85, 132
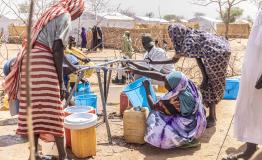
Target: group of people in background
177, 119
97, 41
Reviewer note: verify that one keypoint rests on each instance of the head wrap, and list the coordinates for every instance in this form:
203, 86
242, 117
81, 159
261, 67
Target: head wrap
74, 7
177, 33
179, 84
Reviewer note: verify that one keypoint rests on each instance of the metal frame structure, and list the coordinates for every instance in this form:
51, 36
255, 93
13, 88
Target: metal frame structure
107, 68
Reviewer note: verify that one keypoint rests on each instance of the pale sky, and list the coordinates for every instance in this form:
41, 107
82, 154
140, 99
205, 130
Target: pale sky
177, 7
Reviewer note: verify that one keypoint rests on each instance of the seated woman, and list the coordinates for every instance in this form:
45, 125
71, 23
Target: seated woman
178, 118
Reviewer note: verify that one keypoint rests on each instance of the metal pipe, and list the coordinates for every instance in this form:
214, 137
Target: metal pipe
104, 106
108, 82
107, 63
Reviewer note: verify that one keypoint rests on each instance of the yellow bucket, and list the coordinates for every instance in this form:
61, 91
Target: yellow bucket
83, 133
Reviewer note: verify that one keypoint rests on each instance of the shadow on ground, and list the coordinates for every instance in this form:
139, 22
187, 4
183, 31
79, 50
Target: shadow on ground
9, 140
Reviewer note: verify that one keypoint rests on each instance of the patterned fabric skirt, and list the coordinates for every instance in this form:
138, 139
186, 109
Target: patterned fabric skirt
216, 69
47, 109
168, 132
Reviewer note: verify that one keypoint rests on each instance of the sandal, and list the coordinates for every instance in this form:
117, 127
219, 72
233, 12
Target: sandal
238, 156
193, 144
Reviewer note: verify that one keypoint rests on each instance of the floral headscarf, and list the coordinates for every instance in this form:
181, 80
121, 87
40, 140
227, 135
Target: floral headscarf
177, 33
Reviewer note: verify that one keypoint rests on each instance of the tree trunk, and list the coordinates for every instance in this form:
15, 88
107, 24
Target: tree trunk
227, 21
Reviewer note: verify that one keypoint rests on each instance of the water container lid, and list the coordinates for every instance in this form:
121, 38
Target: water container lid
80, 121
233, 79
78, 109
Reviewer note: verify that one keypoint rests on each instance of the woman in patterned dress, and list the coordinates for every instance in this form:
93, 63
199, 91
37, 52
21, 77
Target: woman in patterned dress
212, 53
178, 118
49, 36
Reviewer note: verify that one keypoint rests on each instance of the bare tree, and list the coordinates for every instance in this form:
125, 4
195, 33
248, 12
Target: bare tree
258, 3
128, 12
222, 5
150, 14
199, 14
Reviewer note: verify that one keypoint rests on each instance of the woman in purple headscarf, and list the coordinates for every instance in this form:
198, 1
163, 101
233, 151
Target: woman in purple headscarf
83, 37
177, 119
212, 53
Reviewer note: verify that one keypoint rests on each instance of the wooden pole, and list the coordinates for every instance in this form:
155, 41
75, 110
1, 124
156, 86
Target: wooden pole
28, 83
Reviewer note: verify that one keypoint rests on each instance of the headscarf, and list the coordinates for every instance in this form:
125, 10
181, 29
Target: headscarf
177, 33
180, 88
74, 7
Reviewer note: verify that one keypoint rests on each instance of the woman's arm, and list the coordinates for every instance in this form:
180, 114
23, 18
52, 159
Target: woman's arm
150, 74
58, 51
175, 59
138, 66
148, 94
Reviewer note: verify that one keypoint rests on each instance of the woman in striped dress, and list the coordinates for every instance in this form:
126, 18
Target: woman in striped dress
50, 34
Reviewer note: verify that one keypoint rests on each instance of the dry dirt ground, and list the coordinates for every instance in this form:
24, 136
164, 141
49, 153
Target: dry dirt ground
12, 147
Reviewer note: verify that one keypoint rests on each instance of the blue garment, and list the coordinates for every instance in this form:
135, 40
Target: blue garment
7, 66
71, 59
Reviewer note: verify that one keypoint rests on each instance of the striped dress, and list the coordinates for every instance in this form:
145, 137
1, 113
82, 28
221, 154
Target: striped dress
47, 109
46, 104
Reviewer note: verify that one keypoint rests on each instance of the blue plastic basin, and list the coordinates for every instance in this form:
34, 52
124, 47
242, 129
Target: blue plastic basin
137, 94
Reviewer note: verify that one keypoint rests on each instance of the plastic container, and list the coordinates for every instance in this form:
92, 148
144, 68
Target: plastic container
84, 87
83, 133
124, 103
72, 110
137, 94
161, 89
231, 88
135, 125
87, 100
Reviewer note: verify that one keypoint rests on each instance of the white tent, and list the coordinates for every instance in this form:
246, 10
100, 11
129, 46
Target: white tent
4, 23
148, 20
114, 19
206, 23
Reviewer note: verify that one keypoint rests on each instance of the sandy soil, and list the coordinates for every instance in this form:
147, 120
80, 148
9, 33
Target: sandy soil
12, 147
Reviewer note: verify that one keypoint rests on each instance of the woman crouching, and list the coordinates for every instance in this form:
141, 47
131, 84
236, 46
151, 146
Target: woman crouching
178, 118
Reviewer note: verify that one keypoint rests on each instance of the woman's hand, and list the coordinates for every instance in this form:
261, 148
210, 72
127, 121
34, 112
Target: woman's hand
175, 103
86, 60
176, 58
63, 91
149, 60
259, 83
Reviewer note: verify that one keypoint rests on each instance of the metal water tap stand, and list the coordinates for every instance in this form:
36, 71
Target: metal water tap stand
104, 88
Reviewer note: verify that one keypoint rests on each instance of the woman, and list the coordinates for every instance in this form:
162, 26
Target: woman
83, 36
178, 118
128, 52
49, 36
212, 53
